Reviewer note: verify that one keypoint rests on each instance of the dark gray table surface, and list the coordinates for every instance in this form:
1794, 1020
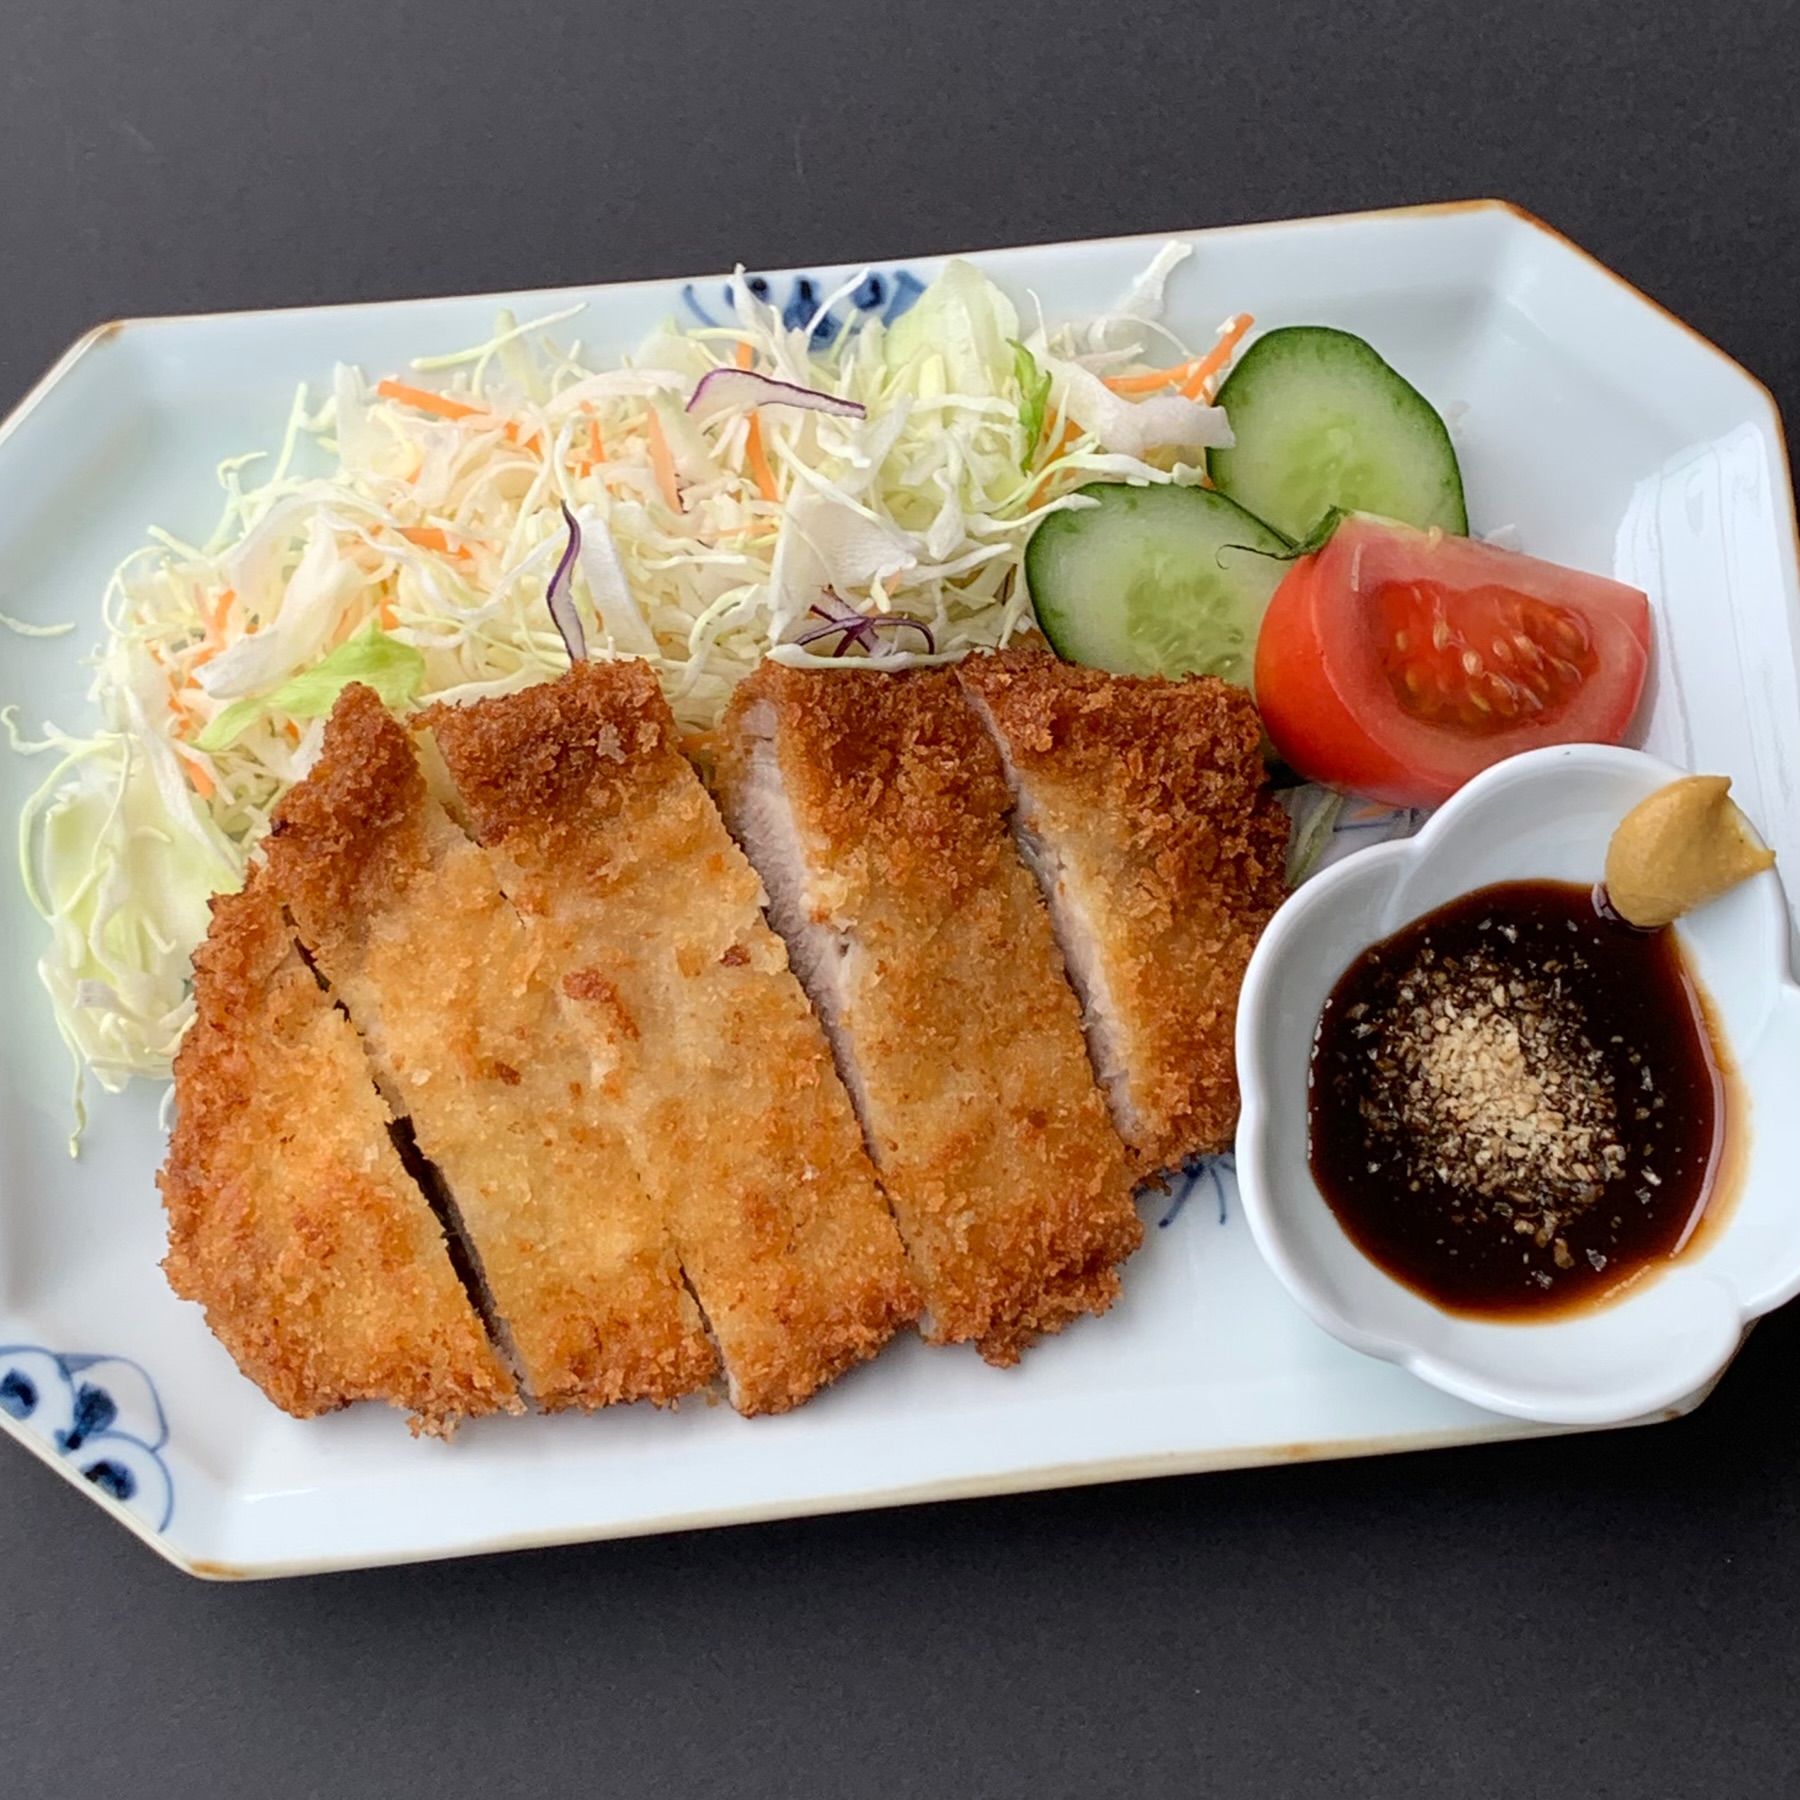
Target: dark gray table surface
1609, 1615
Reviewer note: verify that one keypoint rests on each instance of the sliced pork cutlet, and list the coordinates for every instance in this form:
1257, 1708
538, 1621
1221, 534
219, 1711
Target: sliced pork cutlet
317, 1260
874, 807
649, 918
404, 916
1143, 807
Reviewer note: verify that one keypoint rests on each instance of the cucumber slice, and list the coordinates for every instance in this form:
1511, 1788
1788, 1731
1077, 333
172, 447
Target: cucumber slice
1155, 581
1321, 421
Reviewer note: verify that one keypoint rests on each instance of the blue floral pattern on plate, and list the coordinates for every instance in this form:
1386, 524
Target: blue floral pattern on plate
881, 294
1366, 822
101, 1415
1217, 1174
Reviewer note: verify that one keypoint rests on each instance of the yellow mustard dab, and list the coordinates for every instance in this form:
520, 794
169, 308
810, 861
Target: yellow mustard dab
1686, 844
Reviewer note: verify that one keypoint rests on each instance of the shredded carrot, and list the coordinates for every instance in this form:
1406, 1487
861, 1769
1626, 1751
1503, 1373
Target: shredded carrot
204, 654
426, 401
1213, 363
446, 408
431, 537
595, 453
1071, 433
661, 461
1151, 379
216, 624
754, 453
197, 773
389, 617
757, 458
1192, 376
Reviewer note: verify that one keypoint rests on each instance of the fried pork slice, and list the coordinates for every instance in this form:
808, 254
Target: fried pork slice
404, 916
1143, 808
291, 1221
874, 807
649, 917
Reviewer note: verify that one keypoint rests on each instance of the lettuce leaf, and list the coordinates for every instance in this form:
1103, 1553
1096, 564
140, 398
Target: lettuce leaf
964, 323
396, 671
1034, 399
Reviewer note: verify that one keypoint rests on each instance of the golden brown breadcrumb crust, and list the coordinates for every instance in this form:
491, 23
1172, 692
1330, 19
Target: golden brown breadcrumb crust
291, 1221
1153, 796
649, 918
540, 768
464, 1031
1011, 1189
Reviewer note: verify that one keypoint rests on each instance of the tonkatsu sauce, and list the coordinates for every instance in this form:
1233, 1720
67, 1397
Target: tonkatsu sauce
1516, 1106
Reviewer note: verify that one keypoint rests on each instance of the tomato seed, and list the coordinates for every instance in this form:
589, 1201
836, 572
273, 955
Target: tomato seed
1545, 652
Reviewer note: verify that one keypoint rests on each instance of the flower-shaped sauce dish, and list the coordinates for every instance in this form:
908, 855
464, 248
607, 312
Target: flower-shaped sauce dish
1661, 1337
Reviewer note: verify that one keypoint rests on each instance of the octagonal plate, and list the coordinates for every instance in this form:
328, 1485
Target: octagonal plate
1605, 431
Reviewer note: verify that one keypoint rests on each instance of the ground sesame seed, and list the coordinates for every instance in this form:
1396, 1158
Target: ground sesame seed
1489, 1090
1496, 1082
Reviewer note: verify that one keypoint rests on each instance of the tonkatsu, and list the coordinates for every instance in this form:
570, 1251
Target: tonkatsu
318, 1261
647, 919
893, 1039
874, 807
406, 920
1143, 807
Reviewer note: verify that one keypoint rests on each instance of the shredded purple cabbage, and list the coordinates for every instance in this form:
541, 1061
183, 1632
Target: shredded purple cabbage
722, 388
561, 602
858, 630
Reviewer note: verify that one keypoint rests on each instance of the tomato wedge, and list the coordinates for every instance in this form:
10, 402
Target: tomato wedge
1397, 663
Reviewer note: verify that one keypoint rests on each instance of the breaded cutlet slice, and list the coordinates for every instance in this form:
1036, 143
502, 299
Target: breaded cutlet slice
649, 918
404, 916
291, 1221
874, 807
1143, 808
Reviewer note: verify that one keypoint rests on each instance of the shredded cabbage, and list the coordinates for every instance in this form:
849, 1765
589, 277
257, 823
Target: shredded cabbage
403, 536
120, 859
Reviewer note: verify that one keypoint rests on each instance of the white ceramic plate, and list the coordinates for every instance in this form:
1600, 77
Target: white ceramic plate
1610, 435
